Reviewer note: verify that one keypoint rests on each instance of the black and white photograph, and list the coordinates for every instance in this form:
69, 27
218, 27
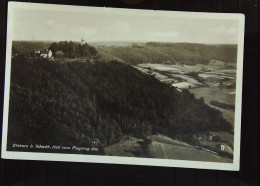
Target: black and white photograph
123, 86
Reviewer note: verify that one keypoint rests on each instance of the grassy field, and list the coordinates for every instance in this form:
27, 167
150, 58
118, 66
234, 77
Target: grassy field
124, 148
162, 147
214, 93
168, 151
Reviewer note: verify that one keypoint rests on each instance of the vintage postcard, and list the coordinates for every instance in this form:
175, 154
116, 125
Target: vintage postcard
123, 86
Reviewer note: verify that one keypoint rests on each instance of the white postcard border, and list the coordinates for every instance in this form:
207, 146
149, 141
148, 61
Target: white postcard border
116, 159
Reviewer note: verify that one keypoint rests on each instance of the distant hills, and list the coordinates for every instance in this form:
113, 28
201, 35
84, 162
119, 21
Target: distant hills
170, 53
151, 52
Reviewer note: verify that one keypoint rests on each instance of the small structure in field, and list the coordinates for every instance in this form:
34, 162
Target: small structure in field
224, 148
221, 147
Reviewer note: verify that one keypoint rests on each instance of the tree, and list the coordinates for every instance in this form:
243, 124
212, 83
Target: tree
54, 48
73, 50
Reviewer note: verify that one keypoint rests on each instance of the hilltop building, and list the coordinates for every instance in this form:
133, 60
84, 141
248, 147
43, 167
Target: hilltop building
37, 53
46, 54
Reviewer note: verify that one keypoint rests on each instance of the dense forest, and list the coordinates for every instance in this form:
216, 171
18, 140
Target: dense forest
98, 104
66, 49
72, 49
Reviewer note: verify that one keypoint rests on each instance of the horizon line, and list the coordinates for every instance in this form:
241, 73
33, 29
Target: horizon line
113, 41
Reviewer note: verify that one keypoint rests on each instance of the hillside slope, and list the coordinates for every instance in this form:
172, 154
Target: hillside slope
171, 53
97, 104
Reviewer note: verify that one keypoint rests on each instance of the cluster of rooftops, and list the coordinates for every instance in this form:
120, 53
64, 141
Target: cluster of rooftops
44, 53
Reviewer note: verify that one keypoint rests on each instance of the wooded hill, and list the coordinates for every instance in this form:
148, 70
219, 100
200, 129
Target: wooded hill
68, 49
73, 50
171, 53
97, 104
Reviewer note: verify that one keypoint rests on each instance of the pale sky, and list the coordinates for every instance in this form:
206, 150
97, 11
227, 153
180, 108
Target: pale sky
58, 26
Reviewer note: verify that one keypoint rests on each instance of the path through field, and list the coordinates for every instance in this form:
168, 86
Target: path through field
169, 151
162, 147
